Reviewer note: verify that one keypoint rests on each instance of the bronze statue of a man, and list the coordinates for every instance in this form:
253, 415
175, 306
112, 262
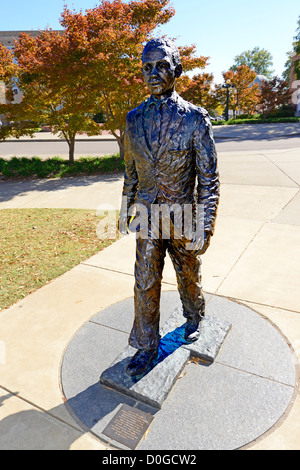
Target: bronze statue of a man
170, 159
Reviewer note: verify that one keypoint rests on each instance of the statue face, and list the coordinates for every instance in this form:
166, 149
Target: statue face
159, 71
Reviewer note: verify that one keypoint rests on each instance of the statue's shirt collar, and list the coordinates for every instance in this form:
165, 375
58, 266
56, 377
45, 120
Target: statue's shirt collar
170, 101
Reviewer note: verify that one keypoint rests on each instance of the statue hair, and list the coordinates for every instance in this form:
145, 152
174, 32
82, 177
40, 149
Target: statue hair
165, 43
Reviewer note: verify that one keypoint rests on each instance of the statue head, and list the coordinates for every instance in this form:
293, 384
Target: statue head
161, 66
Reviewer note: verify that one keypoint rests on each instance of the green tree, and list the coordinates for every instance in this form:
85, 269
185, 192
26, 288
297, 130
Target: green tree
286, 74
297, 37
297, 50
259, 60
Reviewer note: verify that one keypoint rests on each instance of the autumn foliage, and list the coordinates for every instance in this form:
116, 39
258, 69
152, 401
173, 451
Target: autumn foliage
274, 93
55, 92
245, 94
7, 67
92, 65
198, 90
110, 39
8, 73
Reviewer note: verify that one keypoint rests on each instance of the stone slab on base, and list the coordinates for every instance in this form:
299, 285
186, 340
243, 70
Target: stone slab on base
213, 334
153, 387
174, 353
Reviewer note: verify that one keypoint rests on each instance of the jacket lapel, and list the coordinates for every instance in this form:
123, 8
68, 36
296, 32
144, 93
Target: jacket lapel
140, 131
174, 126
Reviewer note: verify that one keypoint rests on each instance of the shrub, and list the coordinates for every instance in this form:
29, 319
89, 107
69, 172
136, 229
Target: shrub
257, 120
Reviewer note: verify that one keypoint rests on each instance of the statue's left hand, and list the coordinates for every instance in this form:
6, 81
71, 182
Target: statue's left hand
200, 246
206, 243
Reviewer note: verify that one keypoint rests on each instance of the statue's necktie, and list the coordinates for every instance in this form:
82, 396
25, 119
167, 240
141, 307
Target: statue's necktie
155, 130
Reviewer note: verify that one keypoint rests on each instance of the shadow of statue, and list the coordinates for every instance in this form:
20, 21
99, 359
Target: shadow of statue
35, 429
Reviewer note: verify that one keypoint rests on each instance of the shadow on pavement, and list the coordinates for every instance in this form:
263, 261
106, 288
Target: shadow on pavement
38, 430
257, 131
19, 188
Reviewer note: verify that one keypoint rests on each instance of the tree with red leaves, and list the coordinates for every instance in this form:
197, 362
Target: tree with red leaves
198, 90
55, 93
7, 67
93, 65
8, 74
112, 38
274, 93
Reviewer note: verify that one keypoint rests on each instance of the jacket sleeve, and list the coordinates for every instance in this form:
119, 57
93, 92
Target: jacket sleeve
208, 184
131, 180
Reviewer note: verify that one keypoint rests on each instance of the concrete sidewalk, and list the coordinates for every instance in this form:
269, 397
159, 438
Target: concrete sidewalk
48, 137
254, 258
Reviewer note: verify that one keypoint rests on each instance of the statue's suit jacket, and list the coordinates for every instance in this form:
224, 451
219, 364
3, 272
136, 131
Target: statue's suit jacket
183, 170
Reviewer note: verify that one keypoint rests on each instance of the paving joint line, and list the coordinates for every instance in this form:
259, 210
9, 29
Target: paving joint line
256, 375
120, 272
284, 207
238, 299
108, 326
280, 169
106, 269
47, 412
240, 256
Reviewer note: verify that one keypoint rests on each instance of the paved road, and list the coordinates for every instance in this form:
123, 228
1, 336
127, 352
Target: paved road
257, 145
255, 137
60, 148
228, 139
92, 148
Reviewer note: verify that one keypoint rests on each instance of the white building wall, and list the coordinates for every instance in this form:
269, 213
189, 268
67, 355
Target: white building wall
2, 93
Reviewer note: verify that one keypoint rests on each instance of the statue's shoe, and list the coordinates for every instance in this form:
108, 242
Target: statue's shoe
192, 330
141, 362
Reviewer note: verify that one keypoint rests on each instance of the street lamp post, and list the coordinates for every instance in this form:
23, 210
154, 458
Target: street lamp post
227, 86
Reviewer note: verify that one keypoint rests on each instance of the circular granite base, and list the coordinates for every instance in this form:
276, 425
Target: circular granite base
221, 406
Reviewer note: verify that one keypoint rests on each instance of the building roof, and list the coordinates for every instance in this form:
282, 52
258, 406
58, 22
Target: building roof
7, 38
261, 78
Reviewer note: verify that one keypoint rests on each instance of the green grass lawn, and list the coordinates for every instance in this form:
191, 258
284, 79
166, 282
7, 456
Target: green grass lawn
38, 245
56, 167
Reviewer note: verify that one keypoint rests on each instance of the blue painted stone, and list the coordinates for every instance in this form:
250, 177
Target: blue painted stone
174, 353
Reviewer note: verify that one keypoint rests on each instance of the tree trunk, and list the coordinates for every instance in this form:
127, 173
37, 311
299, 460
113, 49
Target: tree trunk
70, 138
120, 140
71, 143
122, 149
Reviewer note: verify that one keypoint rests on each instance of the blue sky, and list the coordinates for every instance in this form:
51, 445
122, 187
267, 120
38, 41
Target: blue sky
220, 29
